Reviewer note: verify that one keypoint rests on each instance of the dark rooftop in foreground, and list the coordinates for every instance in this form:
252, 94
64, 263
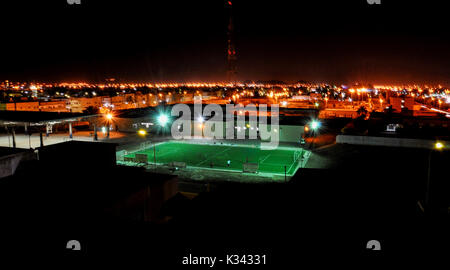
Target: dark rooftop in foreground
6, 151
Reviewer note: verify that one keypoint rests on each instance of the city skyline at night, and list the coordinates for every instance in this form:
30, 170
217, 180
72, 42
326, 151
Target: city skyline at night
216, 133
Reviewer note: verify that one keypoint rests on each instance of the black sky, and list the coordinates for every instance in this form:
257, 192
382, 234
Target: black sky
180, 41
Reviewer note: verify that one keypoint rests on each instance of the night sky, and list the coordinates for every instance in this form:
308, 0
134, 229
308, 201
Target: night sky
184, 41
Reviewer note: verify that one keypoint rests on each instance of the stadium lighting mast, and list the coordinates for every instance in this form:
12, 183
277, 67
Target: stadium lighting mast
314, 127
163, 119
438, 146
109, 118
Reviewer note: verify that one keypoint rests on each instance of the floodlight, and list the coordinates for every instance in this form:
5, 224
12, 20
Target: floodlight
315, 125
163, 119
439, 145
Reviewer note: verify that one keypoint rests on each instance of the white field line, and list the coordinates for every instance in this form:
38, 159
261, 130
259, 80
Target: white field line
295, 161
291, 167
264, 159
227, 149
166, 153
235, 144
197, 166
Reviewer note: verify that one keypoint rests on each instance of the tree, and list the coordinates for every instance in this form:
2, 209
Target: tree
362, 112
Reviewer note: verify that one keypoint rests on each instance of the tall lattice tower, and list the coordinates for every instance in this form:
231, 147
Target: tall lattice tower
231, 49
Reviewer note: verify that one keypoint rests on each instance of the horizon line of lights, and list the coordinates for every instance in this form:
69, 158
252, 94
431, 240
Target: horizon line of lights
405, 89
211, 84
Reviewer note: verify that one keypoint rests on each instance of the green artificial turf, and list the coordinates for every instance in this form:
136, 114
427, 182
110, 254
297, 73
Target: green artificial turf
216, 156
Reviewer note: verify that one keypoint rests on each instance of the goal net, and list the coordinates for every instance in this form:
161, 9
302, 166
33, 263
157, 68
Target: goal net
141, 158
297, 155
250, 167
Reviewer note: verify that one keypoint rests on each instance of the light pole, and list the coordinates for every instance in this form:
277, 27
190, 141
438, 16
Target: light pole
109, 118
143, 133
437, 146
163, 119
200, 120
7, 132
41, 140
314, 126
70, 130
154, 155
351, 95
95, 133
29, 138
13, 132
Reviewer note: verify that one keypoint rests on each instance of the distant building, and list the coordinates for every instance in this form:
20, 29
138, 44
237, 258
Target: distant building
402, 103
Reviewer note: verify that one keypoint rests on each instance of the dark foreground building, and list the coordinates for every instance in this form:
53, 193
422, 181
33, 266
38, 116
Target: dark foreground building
75, 191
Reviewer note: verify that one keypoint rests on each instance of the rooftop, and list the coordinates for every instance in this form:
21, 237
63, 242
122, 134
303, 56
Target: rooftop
38, 118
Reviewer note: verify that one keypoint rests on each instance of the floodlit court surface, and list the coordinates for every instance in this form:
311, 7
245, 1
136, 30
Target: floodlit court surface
223, 157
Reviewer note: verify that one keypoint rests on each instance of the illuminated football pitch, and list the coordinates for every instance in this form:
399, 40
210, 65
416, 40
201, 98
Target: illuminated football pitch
224, 156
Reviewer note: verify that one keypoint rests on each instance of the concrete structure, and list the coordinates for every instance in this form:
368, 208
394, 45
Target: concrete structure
402, 103
289, 133
80, 104
337, 113
40, 122
386, 141
10, 159
23, 106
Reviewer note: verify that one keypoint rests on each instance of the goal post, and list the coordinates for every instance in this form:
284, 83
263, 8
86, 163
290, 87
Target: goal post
141, 158
120, 155
145, 145
250, 167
